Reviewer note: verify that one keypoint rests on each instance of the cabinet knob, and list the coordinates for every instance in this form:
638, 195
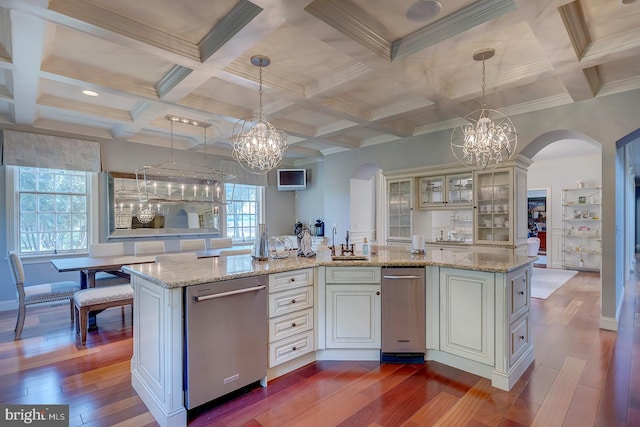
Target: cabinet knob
293, 325
294, 348
521, 292
293, 279
378, 293
293, 301
524, 280
521, 337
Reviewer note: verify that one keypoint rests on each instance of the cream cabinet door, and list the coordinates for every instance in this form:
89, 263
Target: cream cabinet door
467, 316
353, 316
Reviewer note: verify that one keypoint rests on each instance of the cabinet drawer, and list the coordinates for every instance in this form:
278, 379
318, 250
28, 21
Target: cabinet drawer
290, 324
519, 294
518, 338
290, 279
289, 348
353, 275
291, 300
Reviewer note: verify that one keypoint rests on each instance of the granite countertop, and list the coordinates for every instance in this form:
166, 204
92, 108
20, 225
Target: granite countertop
206, 270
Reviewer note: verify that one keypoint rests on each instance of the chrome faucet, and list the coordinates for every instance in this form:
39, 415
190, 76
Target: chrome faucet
333, 241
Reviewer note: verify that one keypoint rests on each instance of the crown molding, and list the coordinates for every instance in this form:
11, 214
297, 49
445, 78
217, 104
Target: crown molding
171, 79
458, 22
84, 108
352, 72
241, 14
337, 14
5, 35
573, 19
84, 73
333, 127
89, 13
411, 104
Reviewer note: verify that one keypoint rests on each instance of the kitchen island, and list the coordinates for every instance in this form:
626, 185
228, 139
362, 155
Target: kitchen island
477, 315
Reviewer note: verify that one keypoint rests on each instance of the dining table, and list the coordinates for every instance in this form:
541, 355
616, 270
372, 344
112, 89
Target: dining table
88, 267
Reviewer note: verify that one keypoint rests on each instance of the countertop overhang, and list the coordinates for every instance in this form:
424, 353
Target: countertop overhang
207, 270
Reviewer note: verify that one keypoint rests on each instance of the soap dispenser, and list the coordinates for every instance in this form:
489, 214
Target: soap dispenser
365, 247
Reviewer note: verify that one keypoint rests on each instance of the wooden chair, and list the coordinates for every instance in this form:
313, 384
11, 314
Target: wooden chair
152, 247
228, 252
98, 299
107, 278
193, 245
37, 294
220, 242
176, 258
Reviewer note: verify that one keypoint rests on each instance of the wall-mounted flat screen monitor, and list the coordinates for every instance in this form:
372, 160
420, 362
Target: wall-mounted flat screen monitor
292, 179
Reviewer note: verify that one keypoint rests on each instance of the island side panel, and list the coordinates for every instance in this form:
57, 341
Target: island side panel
157, 363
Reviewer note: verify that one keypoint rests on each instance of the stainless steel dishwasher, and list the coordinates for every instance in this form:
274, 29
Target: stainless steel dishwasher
226, 327
403, 315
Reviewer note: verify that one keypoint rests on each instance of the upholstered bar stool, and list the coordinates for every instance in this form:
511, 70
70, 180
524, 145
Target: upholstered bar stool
151, 247
193, 245
106, 278
220, 242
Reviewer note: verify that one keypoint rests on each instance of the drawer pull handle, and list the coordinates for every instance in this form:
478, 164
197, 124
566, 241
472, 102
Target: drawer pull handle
521, 337
294, 348
521, 292
293, 325
293, 279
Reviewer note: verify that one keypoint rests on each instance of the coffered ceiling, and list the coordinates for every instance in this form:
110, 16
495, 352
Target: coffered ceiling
344, 74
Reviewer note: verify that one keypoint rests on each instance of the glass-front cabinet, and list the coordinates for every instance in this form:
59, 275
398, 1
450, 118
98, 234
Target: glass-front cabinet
399, 209
445, 191
494, 196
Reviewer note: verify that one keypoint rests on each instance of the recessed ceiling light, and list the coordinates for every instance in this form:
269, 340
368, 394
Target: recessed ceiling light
90, 92
424, 10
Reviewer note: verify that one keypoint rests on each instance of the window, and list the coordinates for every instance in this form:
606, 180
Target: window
243, 211
51, 210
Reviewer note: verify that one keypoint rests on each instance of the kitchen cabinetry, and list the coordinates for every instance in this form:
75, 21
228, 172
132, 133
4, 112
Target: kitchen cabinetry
447, 191
482, 321
501, 207
290, 315
581, 234
353, 307
467, 314
400, 204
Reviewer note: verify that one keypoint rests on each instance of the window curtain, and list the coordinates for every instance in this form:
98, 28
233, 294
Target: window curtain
48, 151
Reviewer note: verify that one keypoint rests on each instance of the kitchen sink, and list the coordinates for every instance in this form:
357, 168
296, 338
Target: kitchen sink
349, 257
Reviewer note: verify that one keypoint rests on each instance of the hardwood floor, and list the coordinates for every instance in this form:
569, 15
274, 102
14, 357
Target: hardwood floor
582, 376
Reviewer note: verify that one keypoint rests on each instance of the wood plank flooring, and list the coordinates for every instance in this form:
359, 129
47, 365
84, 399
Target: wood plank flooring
582, 376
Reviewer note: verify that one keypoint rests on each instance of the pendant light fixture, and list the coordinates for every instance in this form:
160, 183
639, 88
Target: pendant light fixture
257, 145
484, 138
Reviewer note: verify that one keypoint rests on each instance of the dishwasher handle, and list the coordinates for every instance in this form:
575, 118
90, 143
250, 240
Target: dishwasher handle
229, 293
402, 277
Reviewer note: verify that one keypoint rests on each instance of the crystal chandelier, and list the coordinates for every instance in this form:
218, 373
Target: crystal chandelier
257, 145
484, 138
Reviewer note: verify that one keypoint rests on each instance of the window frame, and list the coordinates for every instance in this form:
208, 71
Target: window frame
260, 209
13, 220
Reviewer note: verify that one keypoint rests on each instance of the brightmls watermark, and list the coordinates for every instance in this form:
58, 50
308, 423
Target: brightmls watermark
34, 415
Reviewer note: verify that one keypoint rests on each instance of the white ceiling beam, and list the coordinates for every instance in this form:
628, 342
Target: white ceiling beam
27, 36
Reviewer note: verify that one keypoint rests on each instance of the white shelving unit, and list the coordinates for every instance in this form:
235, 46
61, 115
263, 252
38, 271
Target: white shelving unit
581, 235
